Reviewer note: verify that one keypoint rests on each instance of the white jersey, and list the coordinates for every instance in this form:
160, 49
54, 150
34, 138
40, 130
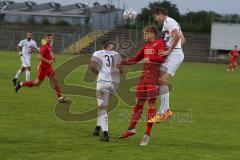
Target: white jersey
168, 26
27, 47
107, 63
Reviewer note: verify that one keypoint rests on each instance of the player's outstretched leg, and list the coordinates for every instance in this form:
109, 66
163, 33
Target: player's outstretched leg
164, 111
57, 89
136, 116
230, 67
234, 66
19, 85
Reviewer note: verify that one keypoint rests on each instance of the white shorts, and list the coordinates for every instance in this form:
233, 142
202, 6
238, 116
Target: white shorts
173, 61
104, 89
25, 62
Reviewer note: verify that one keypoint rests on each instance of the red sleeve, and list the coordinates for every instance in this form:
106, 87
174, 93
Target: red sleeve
138, 57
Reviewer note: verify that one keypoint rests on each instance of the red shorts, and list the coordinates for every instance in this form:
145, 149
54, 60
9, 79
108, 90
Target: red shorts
147, 91
233, 61
44, 71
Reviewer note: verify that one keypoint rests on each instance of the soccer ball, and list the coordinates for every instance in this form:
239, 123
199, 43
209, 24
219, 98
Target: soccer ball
129, 14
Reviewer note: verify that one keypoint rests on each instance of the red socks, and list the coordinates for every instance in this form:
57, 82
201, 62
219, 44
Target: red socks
136, 115
58, 91
27, 83
151, 113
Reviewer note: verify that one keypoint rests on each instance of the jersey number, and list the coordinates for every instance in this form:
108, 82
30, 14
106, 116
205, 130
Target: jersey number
110, 61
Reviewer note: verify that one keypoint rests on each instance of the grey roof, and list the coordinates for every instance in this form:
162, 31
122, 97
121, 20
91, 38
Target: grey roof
5, 3
102, 8
54, 9
49, 14
71, 7
17, 6
45, 6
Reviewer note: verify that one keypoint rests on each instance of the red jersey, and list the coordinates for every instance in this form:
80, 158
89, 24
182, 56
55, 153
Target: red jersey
46, 52
234, 55
151, 71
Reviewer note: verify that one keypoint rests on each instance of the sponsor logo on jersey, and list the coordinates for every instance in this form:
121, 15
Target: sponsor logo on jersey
149, 51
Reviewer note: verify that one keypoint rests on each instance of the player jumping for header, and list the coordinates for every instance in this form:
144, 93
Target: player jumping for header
174, 40
147, 88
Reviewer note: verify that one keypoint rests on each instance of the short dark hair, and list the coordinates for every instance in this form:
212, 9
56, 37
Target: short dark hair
105, 43
49, 34
235, 46
163, 11
151, 28
29, 32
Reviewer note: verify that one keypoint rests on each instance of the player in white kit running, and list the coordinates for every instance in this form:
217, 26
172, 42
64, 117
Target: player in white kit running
25, 49
106, 64
174, 40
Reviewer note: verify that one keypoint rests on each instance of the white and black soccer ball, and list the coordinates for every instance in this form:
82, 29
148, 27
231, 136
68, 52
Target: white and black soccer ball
129, 14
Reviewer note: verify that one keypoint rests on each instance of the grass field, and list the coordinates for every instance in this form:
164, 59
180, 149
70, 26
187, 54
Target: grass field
30, 130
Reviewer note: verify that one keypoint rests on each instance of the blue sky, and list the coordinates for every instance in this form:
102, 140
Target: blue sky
220, 6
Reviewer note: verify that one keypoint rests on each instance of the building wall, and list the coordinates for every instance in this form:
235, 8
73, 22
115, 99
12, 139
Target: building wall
106, 21
97, 21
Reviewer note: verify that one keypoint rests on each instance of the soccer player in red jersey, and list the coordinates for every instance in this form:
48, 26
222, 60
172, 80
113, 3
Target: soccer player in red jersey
147, 88
234, 56
45, 69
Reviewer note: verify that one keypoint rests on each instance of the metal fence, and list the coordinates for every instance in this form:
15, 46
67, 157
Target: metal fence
76, 43
10, 39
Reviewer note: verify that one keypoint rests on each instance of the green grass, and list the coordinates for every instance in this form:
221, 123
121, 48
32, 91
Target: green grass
29, 128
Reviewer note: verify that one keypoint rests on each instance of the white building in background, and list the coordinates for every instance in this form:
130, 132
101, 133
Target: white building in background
96, 17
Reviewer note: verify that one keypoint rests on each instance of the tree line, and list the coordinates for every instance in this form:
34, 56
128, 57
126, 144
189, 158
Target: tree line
197, 22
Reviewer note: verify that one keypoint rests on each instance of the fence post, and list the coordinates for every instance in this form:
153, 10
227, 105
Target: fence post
63, 42
79, 41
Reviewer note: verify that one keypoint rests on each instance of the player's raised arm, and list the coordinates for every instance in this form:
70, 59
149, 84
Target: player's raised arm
138, 57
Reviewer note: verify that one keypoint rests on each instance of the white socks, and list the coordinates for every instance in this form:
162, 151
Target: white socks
103, 120
164, 99
27, 75
19, 72
98, 119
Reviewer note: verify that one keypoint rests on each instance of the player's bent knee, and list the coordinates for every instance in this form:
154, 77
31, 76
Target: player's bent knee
23, 69
37, 82
140, 101
102, 107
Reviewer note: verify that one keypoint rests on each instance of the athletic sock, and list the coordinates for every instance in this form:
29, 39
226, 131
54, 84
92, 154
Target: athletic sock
136, 115
103, 120
151, 113
98, 120
58, 91
27, 75
27, 83
18, 74
164, 99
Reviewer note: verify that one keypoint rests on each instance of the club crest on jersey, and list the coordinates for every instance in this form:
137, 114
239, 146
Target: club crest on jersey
149, 51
